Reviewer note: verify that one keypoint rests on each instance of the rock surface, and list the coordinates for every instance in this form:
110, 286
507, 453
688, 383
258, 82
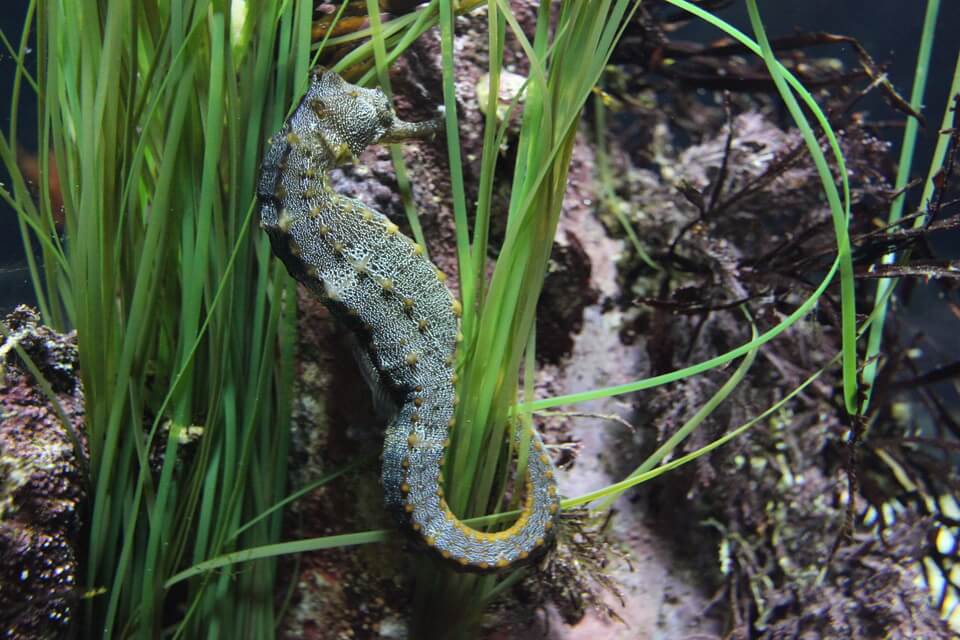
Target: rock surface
42, 475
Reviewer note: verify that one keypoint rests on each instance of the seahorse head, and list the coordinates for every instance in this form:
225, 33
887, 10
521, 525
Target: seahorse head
357, 116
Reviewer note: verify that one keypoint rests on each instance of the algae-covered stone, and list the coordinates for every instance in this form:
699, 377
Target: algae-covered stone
42, 487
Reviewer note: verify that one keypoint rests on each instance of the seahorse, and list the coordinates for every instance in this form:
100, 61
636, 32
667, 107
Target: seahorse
379, 283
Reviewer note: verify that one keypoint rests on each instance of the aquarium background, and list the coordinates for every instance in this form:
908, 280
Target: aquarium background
888, 29
14, 278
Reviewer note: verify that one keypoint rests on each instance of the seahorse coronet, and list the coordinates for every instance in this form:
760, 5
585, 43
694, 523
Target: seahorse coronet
379, 282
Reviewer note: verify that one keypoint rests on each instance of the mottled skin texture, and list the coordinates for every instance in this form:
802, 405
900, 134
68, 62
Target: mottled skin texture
378, 282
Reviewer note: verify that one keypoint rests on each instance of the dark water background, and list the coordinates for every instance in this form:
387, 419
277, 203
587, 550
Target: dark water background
889, 29
15, 285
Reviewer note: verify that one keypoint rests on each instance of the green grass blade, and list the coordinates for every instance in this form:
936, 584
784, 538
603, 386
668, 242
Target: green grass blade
840, 211
907, 146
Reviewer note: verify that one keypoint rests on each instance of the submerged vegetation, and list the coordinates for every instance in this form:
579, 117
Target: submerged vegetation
156, 114
183, 332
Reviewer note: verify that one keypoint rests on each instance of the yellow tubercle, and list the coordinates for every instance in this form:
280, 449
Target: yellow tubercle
284, 221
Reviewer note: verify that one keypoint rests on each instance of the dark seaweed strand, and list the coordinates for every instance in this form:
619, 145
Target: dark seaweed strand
379, 283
